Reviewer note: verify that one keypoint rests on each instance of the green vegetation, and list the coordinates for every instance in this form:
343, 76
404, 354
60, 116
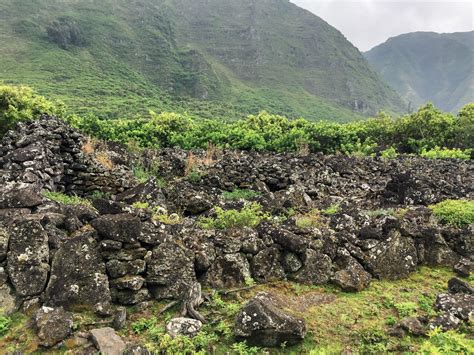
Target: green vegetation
449, 342
240, 194
118, 59
421, 132
458, 213
311, 219
21, 103
5, 323
249, 216
445, 153
333, 209
67, 199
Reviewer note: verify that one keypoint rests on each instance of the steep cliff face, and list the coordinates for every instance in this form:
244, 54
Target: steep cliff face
428, 66
251, 54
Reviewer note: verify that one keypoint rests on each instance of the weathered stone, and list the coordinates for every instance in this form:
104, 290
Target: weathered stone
266, 265
8, 301
117, 268
169, 269
445, 321
152, 234
227, 271
394, 258
460, 305
413, 326
353, 277
289, 241
54, 325
28, 257
120, 227
317, 268
4, 238
130, 297
261, 322
120, 318
107, 341
291, 262
128, 283
464, 267
456, 285
78, 275
183, 327
19, 195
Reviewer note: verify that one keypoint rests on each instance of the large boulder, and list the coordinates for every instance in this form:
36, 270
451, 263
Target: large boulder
317, 268
262, 323
53, 324
394, 258
28, 257
122, 227
460, 305
352, 277
267, 265
78, 275
228, 270
107, 341
170, 269
19, 195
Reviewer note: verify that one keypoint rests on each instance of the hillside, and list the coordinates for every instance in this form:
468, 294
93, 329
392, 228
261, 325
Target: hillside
427, 66
211, 58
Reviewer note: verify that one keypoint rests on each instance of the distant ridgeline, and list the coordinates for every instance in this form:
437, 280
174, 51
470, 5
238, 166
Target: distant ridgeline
429, 132
219, 59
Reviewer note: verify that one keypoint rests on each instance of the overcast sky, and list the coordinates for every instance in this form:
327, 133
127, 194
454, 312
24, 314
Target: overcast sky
367, 23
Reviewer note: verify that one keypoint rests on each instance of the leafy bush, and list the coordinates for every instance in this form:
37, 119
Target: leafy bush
406, 309
449, 342
390, 153
457, 213
445, 153
243, 349
240, 194
66, 199
22, 104
249, 216
5, 323
310, 219
333, 209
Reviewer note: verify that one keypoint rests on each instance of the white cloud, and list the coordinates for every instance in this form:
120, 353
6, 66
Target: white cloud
367, 23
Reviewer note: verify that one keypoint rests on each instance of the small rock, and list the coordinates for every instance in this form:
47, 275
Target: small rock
464, 267
107, 341
445, 321
413, 326
122, 227
54, 325
120, 318
183, 326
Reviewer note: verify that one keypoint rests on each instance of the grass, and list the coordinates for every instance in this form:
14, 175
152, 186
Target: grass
240, 194
249, 216
67, 199
335, 320
457, 213
311, 219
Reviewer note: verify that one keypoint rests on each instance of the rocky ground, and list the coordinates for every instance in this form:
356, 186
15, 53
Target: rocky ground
276, 241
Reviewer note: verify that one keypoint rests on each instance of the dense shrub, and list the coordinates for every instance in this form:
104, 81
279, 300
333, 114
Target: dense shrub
457, 213
422, 131
249, 216
445, 153
449, 342
22, 103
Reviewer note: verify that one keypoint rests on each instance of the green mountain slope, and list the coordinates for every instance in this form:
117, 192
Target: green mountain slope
209, 57
427, 66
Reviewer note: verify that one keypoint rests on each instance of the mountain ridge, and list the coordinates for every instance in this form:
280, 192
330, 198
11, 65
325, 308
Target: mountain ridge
428, 66
249, 55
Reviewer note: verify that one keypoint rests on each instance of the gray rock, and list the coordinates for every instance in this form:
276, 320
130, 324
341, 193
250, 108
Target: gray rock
459, 305
169, 269
413, 326
53, 324
117, 268
120, 227
128, 283
317, 268
130, 297
19, 195
394, 258
183, 327
228, 270
8, 300
445, 321
353, 277
261, 322
120, 318
464, 267
266, 265
77, 275
107, 341
291, 262
28, 257
289, 241
456, 285
4, 238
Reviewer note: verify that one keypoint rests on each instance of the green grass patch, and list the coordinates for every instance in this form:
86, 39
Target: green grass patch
457, 213
249, 216
67, 199
240, 194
